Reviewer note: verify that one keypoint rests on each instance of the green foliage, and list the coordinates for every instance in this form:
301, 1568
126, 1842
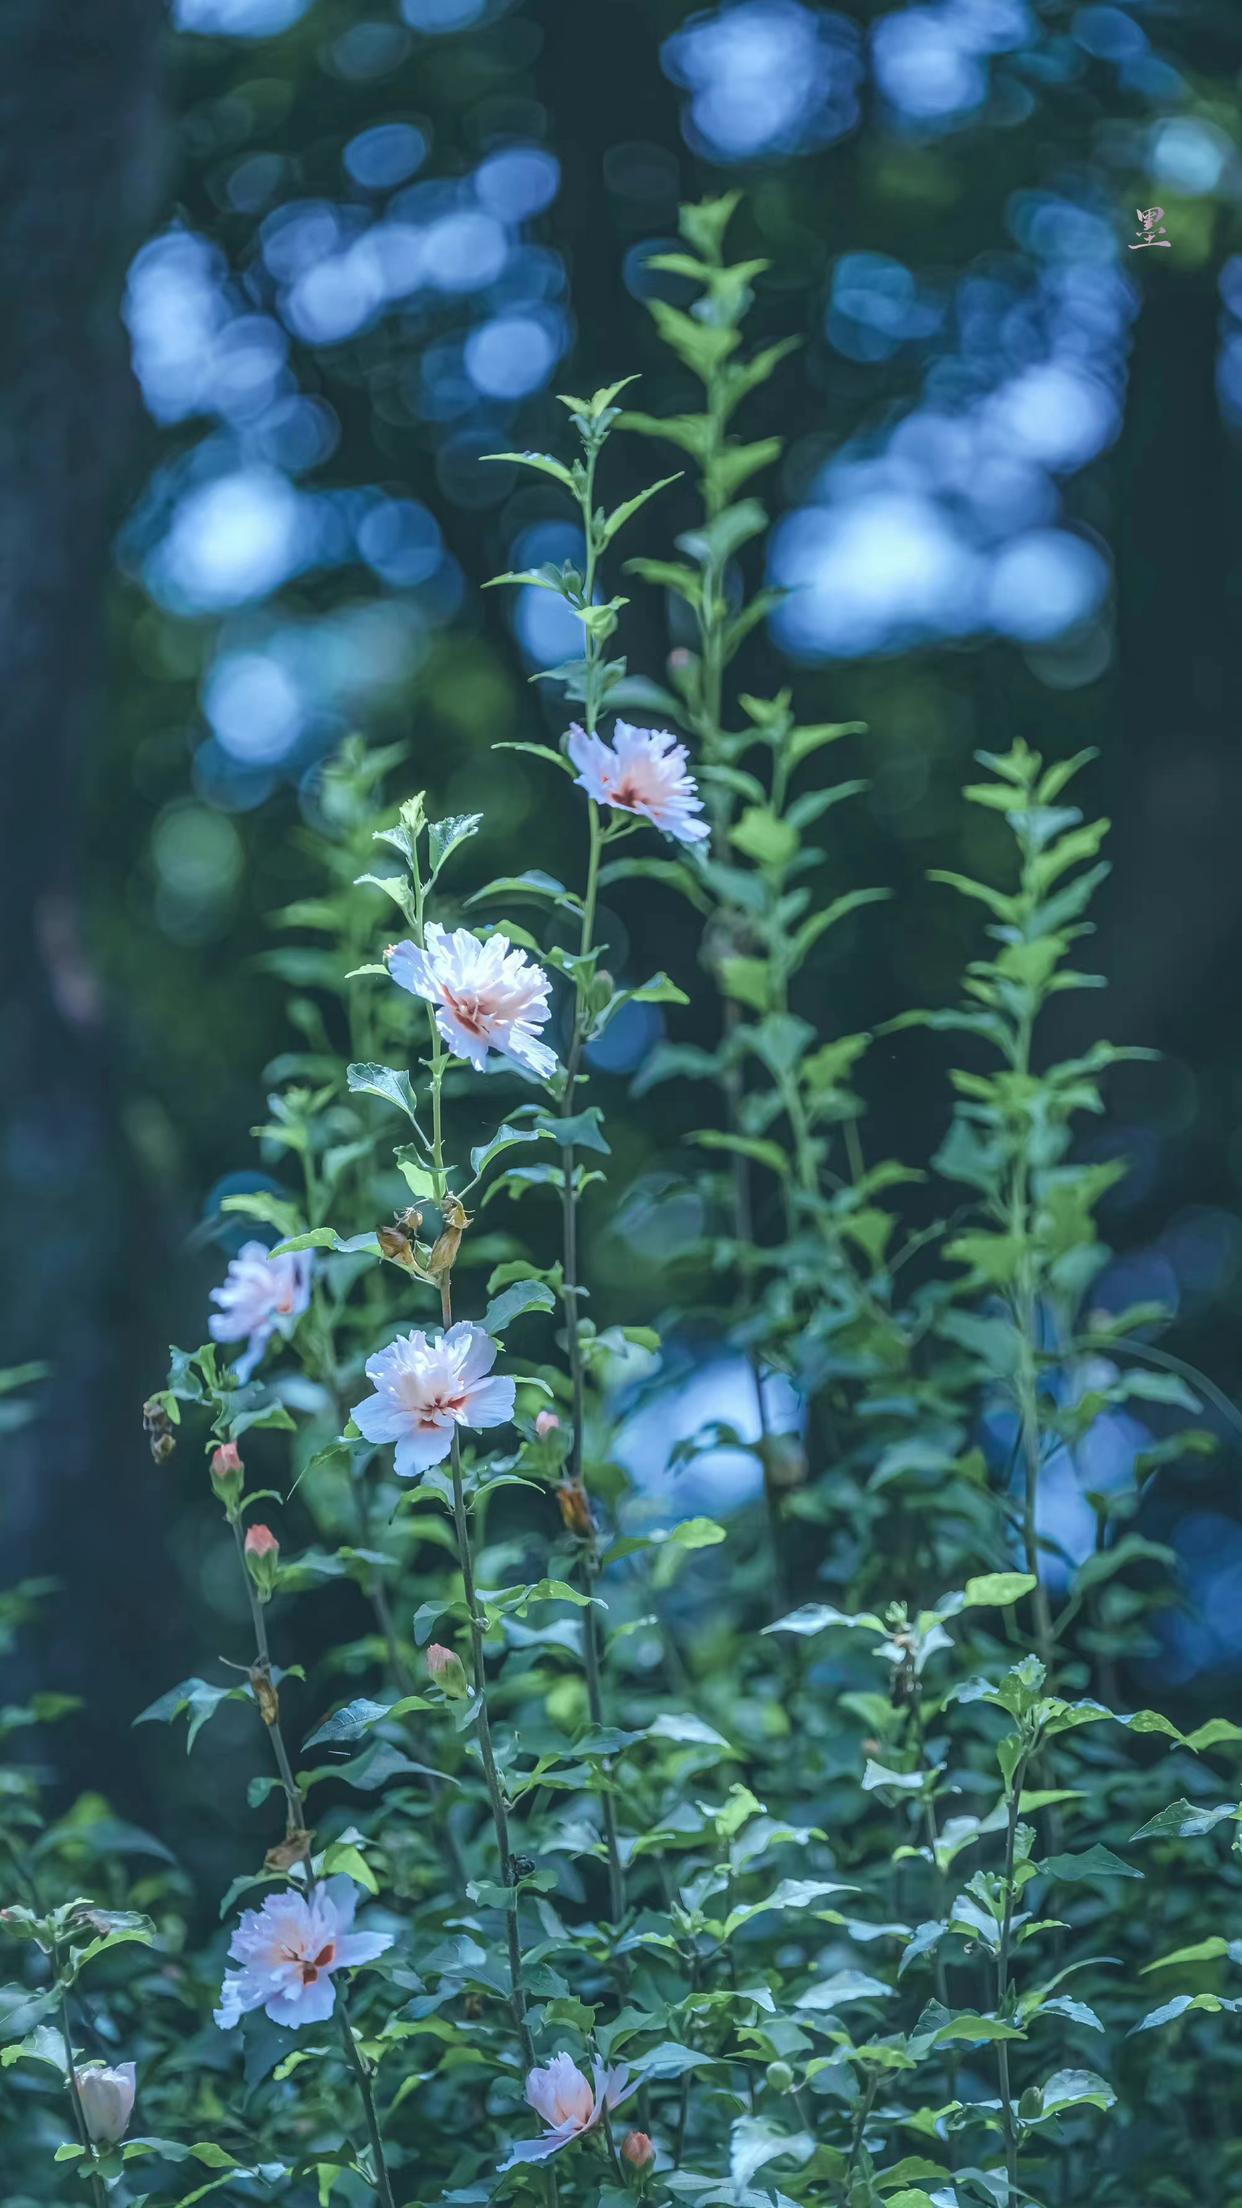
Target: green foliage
846, 1878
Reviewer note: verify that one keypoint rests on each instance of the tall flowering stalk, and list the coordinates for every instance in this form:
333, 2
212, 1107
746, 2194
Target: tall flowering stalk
292, 1964
480, 999
638, 776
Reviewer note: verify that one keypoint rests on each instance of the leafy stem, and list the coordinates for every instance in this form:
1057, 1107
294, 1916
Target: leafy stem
1009, 2122
362, 2072
71, 2085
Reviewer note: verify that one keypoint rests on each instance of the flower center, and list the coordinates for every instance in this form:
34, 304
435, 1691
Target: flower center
444, 1405
322, 1961
469, 1010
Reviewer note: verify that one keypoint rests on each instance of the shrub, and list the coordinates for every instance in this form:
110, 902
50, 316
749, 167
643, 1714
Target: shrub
792, 1858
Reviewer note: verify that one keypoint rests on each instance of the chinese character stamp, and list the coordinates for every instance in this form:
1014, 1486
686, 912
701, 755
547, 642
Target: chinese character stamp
1152, 219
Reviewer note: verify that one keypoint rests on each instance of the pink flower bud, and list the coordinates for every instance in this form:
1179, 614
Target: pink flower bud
227, 1475
638, 2150
448, 1671
262, 1551
546, 1423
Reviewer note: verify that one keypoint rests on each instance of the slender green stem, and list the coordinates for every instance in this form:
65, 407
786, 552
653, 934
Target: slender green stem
858, 2131
267, 1696
75, 2098
595, 1703
362, 2072
465, 1559
1008, 2119
295, 1823
495, 1791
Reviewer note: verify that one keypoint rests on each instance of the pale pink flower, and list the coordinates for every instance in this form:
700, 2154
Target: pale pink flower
644, 772
568, 2104
259, 1296
107, 2098
425, 1389
546, 1423
290, 1951
488, 996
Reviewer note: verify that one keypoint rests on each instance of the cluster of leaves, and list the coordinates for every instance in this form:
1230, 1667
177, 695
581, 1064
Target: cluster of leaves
824, 1823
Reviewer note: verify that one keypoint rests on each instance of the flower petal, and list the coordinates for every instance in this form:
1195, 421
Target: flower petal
361, 1947
490, 1403
417, 1451
378, 1418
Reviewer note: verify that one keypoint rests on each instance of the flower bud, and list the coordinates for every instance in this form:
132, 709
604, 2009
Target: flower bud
227, 1474
107, 2098
575, 1508
448, 1671
158, 1427
780, 2077
638, 2150
546, 1423
262, 1552
447, 1243
396, 1246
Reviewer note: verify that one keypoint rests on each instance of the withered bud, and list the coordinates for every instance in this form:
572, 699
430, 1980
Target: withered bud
396, 1246
444, 1250
158, 1427
294, 1848
576, 1511
265, 1695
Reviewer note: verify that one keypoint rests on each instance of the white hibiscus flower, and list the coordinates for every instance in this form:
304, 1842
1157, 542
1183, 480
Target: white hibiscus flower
107, 2098
642, 771
260, 1295
487, 996
569, 2105
425, 1389
290, 1951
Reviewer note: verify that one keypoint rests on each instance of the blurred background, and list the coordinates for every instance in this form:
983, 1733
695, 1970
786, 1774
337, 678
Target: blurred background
278, 273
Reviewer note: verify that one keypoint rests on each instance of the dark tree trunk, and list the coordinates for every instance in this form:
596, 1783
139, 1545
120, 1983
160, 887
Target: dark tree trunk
80, 161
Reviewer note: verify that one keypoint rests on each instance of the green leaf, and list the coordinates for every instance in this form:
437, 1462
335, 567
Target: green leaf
1184, 1820
542, 462
762, 836
974, 2030
271, 1210
754, 2142
388, 1082
1091, 1864
743, 1146
343, 1856
617, 519
444, 836
1210, 1950
996, 1590
524, 1295
349, 1723
1076, 2089
195, 1698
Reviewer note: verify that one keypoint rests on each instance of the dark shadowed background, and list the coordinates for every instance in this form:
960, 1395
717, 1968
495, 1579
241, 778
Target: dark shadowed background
277, 274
